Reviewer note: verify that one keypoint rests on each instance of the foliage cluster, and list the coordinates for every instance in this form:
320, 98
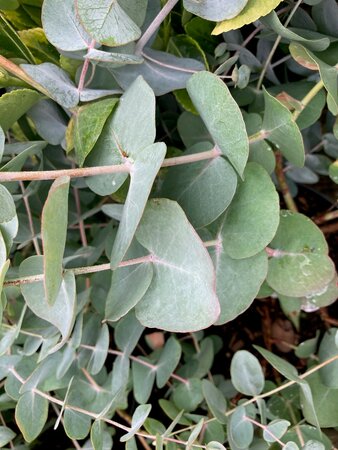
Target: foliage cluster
148, 182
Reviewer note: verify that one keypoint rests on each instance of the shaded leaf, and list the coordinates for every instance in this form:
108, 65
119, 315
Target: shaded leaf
194, 185
221, 116
237, 281
281, 129
145, 165
62, 313
162, 71
254, 213
127, 333
89, 121
181, 295
23, 151
143, 379
12, 42
54, 233
215, 400
327, 350
6, 434
15, 104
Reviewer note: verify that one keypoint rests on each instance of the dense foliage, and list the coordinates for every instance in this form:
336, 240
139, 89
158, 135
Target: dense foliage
150, 164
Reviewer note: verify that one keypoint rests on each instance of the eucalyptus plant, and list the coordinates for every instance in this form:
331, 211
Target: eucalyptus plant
150, 157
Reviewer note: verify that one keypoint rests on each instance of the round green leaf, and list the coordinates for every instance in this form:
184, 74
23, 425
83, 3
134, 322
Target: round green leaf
188, 395
240, 430
252, 219
181, 295
203, 189
246, 373
299, 265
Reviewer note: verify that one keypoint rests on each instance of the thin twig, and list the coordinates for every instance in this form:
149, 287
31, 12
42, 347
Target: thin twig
275, 45
165, 11
85, 68
291, 205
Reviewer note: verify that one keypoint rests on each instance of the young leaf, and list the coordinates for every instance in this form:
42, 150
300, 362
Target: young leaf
88, 124
144, 168
56, 81
188, 395
194, 434
169, 359
31, 414
196, 186
281, 130
246, 373
163, 71
215, 400
181, 295
240, 430
254, 213
221, 116
12, 42
6, 435
215, 10
15, 104
143, 379
100, 351
300, 265
283, 367
139, 416
62, 313
253, 10
276, 429
107, 22
127, 333
54, 231
63, 27
128, 286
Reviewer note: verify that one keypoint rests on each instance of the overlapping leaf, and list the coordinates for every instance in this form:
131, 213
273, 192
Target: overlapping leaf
15, 104
215, 10
221, 116
181, 295
300, 265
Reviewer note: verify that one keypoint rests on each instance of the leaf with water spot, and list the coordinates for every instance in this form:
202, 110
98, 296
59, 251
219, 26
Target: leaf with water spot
181, 296
300, 265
